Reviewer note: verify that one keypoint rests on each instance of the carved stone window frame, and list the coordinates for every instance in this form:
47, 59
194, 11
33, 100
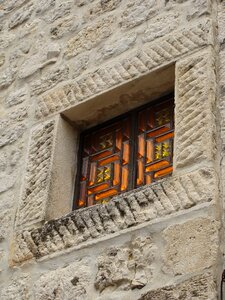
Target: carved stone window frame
37, 233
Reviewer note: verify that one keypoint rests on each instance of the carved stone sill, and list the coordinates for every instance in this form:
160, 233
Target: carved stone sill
163, 198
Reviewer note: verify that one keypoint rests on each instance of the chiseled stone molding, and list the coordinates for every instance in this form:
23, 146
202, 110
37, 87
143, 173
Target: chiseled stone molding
163, 198
140, 62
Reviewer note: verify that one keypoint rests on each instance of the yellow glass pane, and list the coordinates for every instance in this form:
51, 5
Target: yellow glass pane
166, 149
141, 146
101, 155
116, 179
100, 175
158, 151
140, 172
157, 166
108, 160
157, 131
107, 173
165, 137
124, 182
126, 153
163, 172
98, 188
149, 154
162, 117
92, 174
106, 194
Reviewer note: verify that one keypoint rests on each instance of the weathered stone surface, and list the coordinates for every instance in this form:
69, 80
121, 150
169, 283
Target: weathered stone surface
138, 11
6, 39
126, 267
200, 287
100, 7
16, 97
68, 283
116, 47
43, 5
221, 21
191, 246
140, 62
21, 16
130, 209
6, 213
35, 191
47, 55
199, 8
161, 26
195, 120
11, 134
2, 59
7, 77
10, 5
49, 79
60, 11
17, 288
82, 2
64, 26
89, 37
6, 182
79, 65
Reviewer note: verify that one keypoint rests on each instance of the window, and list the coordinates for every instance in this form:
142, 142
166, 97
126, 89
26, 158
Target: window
130, 151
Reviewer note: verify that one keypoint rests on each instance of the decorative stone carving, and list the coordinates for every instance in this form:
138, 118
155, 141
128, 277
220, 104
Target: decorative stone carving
130, 209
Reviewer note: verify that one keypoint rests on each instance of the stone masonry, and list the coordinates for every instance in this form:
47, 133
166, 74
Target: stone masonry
66, 65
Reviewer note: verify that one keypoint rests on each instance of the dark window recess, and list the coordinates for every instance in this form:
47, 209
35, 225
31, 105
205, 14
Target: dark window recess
125, 153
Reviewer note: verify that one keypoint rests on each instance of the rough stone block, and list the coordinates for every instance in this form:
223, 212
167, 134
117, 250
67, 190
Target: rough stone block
191, 246
137, 12
64, 26
116, 46
161, 25
68, 283
90, 37
63, 9
194, 110
221, 22
17, 288
200, 287
7, 77
37, 177
42, 6
21, 16
100, 7
126, 267
16, 97
11, 134
49, 79
2, 59
6, 39
6, 211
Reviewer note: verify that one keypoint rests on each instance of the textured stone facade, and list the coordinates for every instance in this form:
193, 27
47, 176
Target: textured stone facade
67, 65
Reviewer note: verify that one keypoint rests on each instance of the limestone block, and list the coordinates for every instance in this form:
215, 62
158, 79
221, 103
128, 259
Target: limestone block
7, 77
49, 79
42, 6
10, 5
90, 37
139, 62
199, 8
100, 7
221, 22
194, 110
17, 288
16, 97
2, 59
199, 287
79, 65
6, 39
20, 16
63, 9
124, 211
82, 2
47, 55
37, 177
6, 213
126, 267
12, 134
6, 182
161, 25
191, 246
137, 12
115, 47
64, 26
68, 283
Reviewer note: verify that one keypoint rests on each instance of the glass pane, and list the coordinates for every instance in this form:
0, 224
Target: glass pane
149, 154
101, 155
157, 166
108, 193
163, 172
92, 174
108, 160
157, 132
126, 152
116, 179
165, 137
140, 172
98, 188
119, 138
141, 146
124, 183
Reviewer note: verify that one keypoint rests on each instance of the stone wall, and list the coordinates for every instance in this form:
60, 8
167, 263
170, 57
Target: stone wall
67, 65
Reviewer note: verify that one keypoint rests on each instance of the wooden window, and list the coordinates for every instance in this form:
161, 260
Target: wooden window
125, 153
